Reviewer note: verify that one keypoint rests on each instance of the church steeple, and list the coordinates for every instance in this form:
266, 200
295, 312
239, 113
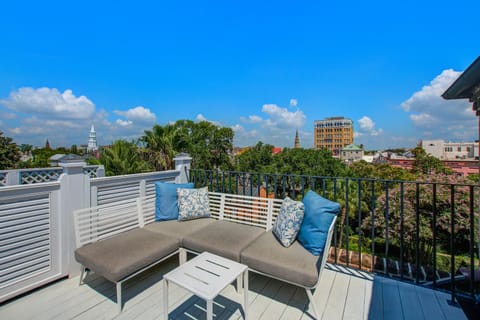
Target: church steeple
92, 140
297, 141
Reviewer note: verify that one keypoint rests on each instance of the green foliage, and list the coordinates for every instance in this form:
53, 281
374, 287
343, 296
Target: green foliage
362, 169
91, 161
9, 153
257, 159
299, 161
309, 162
427, 164
41, 156
402, 215
123, 158
209, 145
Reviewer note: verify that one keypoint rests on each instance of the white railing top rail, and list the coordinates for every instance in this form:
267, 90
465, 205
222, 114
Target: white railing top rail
158, 175
28, 189
42, 175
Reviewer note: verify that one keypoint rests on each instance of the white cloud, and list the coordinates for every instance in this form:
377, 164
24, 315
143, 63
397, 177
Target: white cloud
124, 123
367, 127
293, 102
277, 127
49, 103
255, 119
282, 118
440, 118
238, 128
138, 114
7, 115
366, 123
34, 115
251, 119
200, 117
15, 131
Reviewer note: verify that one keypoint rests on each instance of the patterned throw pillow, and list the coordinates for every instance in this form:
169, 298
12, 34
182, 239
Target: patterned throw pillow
193, 203
288, 221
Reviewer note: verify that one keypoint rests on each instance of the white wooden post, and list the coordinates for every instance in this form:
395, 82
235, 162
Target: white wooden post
182, 164
13, 177
100, 171
74, 194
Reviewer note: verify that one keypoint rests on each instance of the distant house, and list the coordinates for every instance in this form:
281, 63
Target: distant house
55, 159
276, 150
351, 153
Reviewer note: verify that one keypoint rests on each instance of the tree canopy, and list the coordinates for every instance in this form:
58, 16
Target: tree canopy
209, 145
9, 153
123, 158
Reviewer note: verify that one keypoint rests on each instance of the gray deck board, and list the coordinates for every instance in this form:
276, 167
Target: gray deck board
342, 293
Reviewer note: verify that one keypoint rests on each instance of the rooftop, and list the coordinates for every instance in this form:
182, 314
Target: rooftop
343, 293
37, 249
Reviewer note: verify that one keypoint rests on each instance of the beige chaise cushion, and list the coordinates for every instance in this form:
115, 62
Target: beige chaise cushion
123, 254
294, 264
179, 229
224, 238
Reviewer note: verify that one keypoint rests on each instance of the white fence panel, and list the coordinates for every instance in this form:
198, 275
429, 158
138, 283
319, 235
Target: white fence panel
112, 189
29, 238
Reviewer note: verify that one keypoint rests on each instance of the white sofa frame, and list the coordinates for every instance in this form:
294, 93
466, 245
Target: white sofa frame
104, 221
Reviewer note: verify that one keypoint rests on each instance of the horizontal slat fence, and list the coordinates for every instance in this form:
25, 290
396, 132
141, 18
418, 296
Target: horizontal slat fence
29, 237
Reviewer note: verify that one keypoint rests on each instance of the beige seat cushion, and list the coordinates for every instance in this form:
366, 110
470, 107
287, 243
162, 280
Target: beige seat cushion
294, 264
224, 238
178, 229
121, 255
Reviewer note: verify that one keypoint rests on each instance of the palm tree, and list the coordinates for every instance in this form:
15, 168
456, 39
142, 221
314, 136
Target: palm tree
123, 158
159, 148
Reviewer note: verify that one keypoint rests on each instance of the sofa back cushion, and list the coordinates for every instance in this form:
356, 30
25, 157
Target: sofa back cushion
319, 215
166, 200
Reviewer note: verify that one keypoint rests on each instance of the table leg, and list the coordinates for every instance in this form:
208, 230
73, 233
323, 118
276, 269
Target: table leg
209, 309
240, 283
245, 294
165, 299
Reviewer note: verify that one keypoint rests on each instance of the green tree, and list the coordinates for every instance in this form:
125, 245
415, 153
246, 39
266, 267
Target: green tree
308, 162
41, 157
74, 149
427, 164
159, 148
401, 206
123, 158
209, 145
9, 153
256, 159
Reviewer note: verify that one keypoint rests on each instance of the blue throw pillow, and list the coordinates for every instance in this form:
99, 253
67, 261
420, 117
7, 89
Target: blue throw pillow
319, 214
166, 204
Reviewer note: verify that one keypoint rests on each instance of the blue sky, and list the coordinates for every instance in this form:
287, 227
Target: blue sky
263, 68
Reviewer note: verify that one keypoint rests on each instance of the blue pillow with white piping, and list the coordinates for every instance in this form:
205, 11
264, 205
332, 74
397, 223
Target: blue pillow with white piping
166, 200
317, 219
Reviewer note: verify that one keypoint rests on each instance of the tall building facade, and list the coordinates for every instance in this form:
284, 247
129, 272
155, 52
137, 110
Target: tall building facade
334, 134
92, 140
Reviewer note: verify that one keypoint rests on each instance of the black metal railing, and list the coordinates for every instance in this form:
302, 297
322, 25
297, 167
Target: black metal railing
418, 231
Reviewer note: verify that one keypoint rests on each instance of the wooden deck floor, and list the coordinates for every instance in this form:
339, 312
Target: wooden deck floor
342, 294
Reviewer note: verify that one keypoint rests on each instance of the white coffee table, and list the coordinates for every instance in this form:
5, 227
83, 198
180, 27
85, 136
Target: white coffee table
206, 276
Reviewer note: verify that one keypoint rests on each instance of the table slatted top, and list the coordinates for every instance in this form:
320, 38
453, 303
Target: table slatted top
206, 275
